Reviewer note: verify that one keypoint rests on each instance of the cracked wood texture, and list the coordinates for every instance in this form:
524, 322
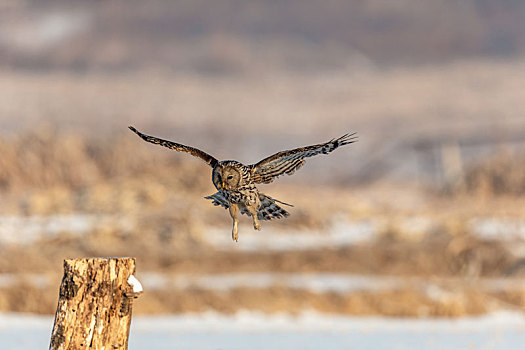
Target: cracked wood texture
94, 306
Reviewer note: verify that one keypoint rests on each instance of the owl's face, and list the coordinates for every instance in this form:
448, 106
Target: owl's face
227, 178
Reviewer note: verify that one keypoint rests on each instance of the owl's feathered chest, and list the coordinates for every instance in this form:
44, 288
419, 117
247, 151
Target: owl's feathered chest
245, 194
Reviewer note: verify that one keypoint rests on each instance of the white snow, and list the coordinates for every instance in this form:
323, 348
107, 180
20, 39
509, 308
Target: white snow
341, 233
314, 282
498, 228
28, 229
306, 321
307, 330
134, 282
313, 321
320, 282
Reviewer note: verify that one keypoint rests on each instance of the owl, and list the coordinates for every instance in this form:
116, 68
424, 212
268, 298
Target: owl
236, 182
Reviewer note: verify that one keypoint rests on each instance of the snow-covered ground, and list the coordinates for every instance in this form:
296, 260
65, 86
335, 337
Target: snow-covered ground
28, 229
342, 232
319, 282
434, 288
315, 282
310, 330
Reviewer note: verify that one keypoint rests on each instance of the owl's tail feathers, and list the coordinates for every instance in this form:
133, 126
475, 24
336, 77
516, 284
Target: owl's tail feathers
269, 208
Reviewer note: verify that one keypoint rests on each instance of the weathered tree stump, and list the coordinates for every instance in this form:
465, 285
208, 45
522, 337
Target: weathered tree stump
94, 306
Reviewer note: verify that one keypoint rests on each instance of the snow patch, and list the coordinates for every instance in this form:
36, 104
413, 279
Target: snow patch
341, 233
28, 229
134, 282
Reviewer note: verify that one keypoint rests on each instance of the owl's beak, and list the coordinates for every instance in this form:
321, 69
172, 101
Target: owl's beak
223, 184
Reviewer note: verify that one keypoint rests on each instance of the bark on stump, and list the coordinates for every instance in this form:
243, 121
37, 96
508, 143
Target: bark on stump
94, 306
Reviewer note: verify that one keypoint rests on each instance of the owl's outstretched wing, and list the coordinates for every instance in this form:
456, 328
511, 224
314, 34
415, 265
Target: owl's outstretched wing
211, 161
287, 162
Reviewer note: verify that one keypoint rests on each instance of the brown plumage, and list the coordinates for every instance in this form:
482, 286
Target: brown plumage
235, 181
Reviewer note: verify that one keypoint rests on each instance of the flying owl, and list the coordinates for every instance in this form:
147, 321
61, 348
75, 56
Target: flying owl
235, 182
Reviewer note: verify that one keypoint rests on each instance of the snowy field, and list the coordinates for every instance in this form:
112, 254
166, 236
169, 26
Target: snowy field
312, 282
342, 232
310, 330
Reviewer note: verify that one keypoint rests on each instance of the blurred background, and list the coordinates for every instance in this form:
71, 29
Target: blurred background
411, 238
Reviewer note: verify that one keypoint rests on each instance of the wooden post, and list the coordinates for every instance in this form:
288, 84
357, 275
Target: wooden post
94, 306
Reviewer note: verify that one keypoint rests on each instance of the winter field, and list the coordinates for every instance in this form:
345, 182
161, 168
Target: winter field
309, 330
398, 252
411, 238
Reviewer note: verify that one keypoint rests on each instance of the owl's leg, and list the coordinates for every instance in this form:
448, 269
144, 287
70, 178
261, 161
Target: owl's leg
253, 211
234, 209
252, 208
256, 224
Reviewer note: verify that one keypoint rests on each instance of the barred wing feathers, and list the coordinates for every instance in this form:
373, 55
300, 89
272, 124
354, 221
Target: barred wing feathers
218, 199
268, 210
287, 162
211, 161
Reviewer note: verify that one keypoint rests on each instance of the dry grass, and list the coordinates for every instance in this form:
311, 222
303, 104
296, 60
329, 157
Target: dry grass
405, 302
462, 260
48, 170
401, 303
502, 174
47, 158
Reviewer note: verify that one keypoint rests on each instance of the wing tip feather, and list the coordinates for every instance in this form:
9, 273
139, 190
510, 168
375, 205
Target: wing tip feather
347, 139
134, 130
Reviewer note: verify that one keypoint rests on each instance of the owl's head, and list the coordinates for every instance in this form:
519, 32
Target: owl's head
227, 177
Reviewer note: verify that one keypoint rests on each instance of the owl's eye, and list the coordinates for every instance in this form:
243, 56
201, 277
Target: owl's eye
230, 177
